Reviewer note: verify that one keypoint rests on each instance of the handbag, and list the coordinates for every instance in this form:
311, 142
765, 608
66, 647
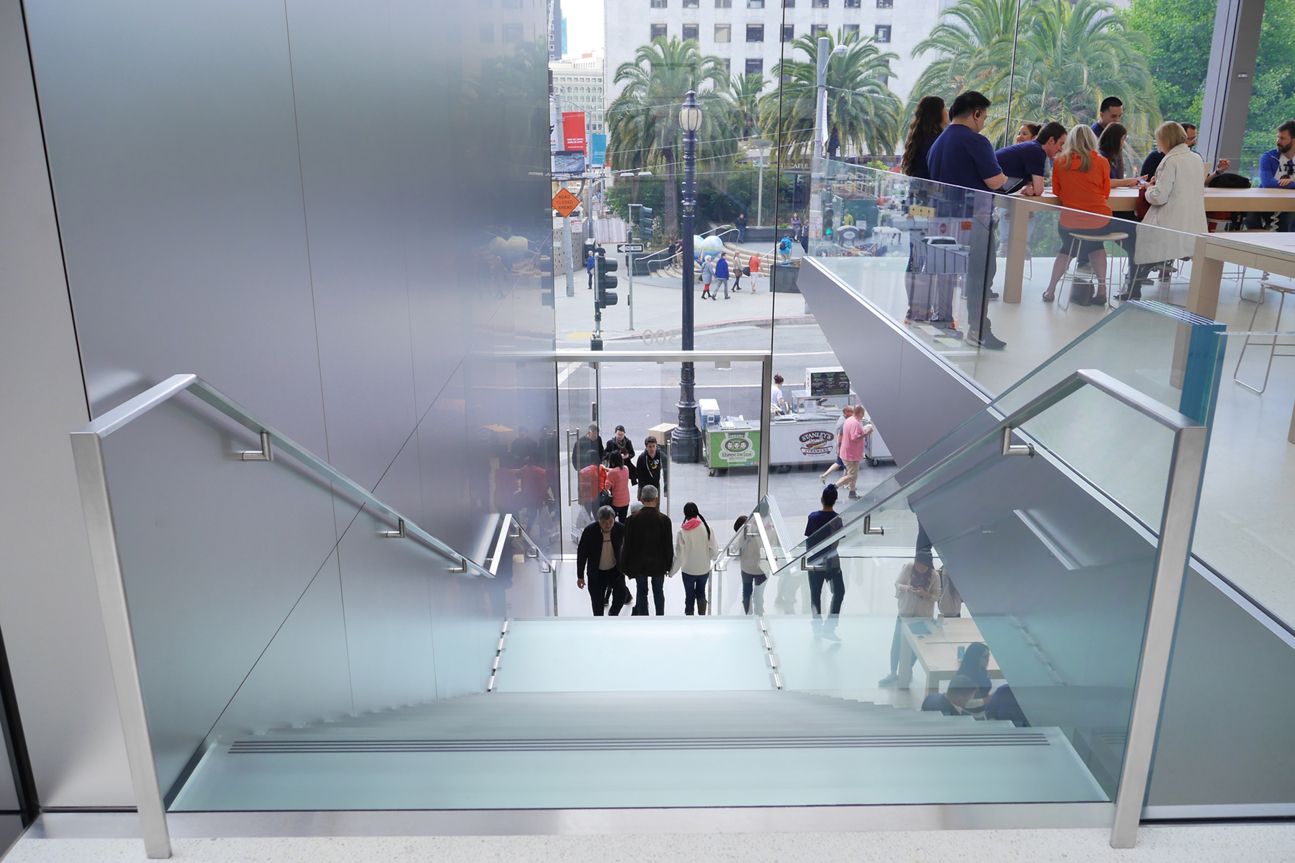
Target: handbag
1142, 206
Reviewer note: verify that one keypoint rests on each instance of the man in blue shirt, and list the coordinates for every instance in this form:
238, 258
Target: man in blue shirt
1277, 171
1028, 160
961, 156
1110, 111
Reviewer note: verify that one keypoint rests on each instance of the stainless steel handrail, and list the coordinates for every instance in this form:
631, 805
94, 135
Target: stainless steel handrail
272, 441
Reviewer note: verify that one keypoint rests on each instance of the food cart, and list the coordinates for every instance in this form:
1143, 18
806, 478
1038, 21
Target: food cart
727, 441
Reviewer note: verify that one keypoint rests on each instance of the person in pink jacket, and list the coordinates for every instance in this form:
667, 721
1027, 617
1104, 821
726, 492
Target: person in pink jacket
618, 483
854, 437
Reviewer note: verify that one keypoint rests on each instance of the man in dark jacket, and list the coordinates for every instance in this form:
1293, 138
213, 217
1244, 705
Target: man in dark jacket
650, 468
648, 551
588, 450
599, 555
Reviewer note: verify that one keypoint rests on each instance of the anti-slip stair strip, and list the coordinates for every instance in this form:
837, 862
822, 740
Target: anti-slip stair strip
307, 747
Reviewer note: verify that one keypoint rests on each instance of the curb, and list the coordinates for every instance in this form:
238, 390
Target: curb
638, 336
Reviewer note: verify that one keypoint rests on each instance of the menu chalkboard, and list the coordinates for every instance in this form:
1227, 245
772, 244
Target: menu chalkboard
828, 382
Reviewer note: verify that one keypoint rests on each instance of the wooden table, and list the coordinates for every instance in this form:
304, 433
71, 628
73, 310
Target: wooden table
1022, 208
1272, 252
937, 649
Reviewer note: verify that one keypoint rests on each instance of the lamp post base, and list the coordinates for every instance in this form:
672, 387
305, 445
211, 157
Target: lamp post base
685, 443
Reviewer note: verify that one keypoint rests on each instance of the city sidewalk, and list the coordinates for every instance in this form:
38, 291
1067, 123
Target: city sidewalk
658, 310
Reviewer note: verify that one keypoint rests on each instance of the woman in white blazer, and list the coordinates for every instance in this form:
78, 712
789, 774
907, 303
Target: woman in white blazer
1177, 199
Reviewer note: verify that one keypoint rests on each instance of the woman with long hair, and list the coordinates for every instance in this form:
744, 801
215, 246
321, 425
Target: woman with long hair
825, 566
1081, 180
929, 119
1111, 145
694, 551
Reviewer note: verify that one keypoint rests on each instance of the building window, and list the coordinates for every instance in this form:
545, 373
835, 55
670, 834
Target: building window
789, 4
852, 4
728, 66
657, 4
723, 32
882, 33
788, 32
823, 4
817, 30
852, 30
755, 4
755, 32
754, 66
691, 4
723, 4
658, 31
512, 32
690, 32
884, 4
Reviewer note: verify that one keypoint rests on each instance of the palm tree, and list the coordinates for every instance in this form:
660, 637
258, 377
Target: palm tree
860, 104
973, 44
744, 98
1074, 54
1069, 54
643, 121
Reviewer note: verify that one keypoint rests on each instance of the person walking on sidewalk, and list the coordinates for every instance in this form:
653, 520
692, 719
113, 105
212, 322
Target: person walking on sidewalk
839, 433
854, 438
694, 551
753, 270
618, 483
599, 557
589, 268
707, 276
648, 552
721, 275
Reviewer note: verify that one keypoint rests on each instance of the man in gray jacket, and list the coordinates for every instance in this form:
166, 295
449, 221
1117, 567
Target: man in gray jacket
648, 552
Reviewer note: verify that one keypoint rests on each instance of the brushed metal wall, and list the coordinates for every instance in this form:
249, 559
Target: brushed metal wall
338, 215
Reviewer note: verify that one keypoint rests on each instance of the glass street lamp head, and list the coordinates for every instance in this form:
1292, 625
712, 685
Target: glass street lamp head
690, 113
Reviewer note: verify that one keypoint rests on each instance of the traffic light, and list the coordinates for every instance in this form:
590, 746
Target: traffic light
604, 281
827, 221
645, 222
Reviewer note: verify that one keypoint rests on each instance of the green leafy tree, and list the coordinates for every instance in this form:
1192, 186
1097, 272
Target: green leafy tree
868, 116
643, 121
1057, 64
1179, 37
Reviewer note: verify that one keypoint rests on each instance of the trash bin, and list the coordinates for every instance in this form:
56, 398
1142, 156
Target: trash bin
783, 279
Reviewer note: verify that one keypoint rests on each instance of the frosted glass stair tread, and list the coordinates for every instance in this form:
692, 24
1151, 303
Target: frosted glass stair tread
532, 750
633, 654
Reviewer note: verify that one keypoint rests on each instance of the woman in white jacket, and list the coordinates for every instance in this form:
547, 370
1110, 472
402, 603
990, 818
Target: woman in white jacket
694, 550
1177, 199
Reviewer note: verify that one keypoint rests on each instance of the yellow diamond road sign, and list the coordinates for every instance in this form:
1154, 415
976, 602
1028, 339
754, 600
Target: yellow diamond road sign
565, 202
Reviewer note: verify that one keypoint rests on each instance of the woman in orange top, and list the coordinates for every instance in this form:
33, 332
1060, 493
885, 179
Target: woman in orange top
1081, 178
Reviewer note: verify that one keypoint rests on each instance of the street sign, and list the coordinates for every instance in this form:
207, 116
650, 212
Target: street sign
629, 247
565, 202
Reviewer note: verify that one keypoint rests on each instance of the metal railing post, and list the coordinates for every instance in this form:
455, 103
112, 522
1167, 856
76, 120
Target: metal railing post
87, 451
766, 420
1176, 525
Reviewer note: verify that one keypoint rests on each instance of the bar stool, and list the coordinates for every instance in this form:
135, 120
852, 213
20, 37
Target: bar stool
1282, 291
1113, 271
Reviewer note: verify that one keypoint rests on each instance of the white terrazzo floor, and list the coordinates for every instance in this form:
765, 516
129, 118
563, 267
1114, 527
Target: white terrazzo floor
1267, 842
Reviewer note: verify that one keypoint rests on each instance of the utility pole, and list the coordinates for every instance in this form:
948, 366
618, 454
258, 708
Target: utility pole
629, 264
569, 254
685, 440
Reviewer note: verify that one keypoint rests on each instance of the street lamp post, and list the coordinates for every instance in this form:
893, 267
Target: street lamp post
685, 440
819, 155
